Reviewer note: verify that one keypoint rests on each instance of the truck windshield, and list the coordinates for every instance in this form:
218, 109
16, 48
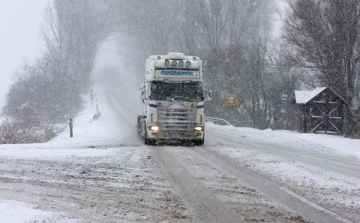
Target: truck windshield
192, 91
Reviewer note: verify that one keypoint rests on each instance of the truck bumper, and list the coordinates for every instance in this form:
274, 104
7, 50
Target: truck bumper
175, 135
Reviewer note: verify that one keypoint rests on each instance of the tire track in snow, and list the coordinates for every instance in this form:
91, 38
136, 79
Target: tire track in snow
202, 202
274, 191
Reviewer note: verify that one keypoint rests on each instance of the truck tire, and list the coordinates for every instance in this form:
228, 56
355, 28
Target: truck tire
200, 142
149, 141
146, 140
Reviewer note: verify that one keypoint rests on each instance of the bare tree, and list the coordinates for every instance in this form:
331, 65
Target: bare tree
232, 37
73, 32
50, 90
326, 36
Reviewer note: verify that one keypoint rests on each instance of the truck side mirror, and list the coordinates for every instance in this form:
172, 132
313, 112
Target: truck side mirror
142, 89
143, 93
207, 95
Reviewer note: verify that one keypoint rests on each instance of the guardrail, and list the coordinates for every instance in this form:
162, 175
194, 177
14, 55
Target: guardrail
213, 119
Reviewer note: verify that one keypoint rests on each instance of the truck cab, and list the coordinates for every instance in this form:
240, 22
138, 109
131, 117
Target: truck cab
173, 98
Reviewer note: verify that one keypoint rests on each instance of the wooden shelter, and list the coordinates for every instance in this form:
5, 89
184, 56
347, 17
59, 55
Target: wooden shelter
322, 111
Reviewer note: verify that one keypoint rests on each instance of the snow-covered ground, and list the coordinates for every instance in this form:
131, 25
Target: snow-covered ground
109, 130
18, 212
315, 142
323, 169
113, 136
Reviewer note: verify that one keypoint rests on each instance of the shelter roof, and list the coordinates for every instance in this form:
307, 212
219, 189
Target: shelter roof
303, 97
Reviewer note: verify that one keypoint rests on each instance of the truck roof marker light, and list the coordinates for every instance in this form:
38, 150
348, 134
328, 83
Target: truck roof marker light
173, 63
167, 62
181, 63
188, 63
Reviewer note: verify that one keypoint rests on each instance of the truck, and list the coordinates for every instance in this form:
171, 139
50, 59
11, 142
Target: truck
173, 99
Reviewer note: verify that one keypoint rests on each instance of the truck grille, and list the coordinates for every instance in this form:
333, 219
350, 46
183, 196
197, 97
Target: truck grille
177, 122
175, 114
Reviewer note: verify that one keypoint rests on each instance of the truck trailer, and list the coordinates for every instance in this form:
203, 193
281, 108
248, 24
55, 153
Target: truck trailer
173, 99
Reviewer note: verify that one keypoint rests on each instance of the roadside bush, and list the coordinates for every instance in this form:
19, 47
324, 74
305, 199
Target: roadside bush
28, 131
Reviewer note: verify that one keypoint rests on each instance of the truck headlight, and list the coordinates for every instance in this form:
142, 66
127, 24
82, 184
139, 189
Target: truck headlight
199, 128
155, 128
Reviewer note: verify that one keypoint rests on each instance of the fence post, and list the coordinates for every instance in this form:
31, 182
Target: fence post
71, 127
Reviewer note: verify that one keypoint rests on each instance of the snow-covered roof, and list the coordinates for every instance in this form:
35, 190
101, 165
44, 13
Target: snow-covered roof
303, 97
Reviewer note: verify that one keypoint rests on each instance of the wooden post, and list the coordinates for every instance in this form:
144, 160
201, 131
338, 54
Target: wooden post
304, 119
344, 119
71, 127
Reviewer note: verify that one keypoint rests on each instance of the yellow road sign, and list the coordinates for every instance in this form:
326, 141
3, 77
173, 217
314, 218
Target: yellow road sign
231, 100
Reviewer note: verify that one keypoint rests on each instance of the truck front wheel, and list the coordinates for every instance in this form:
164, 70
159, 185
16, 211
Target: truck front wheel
199, 142
148, 141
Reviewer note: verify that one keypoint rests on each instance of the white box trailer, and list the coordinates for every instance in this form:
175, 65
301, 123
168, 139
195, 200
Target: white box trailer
173, 98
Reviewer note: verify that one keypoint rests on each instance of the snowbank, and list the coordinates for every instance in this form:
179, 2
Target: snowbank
17, 212
304, 141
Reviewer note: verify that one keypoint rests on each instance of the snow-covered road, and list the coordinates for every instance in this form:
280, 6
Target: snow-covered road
105, 174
